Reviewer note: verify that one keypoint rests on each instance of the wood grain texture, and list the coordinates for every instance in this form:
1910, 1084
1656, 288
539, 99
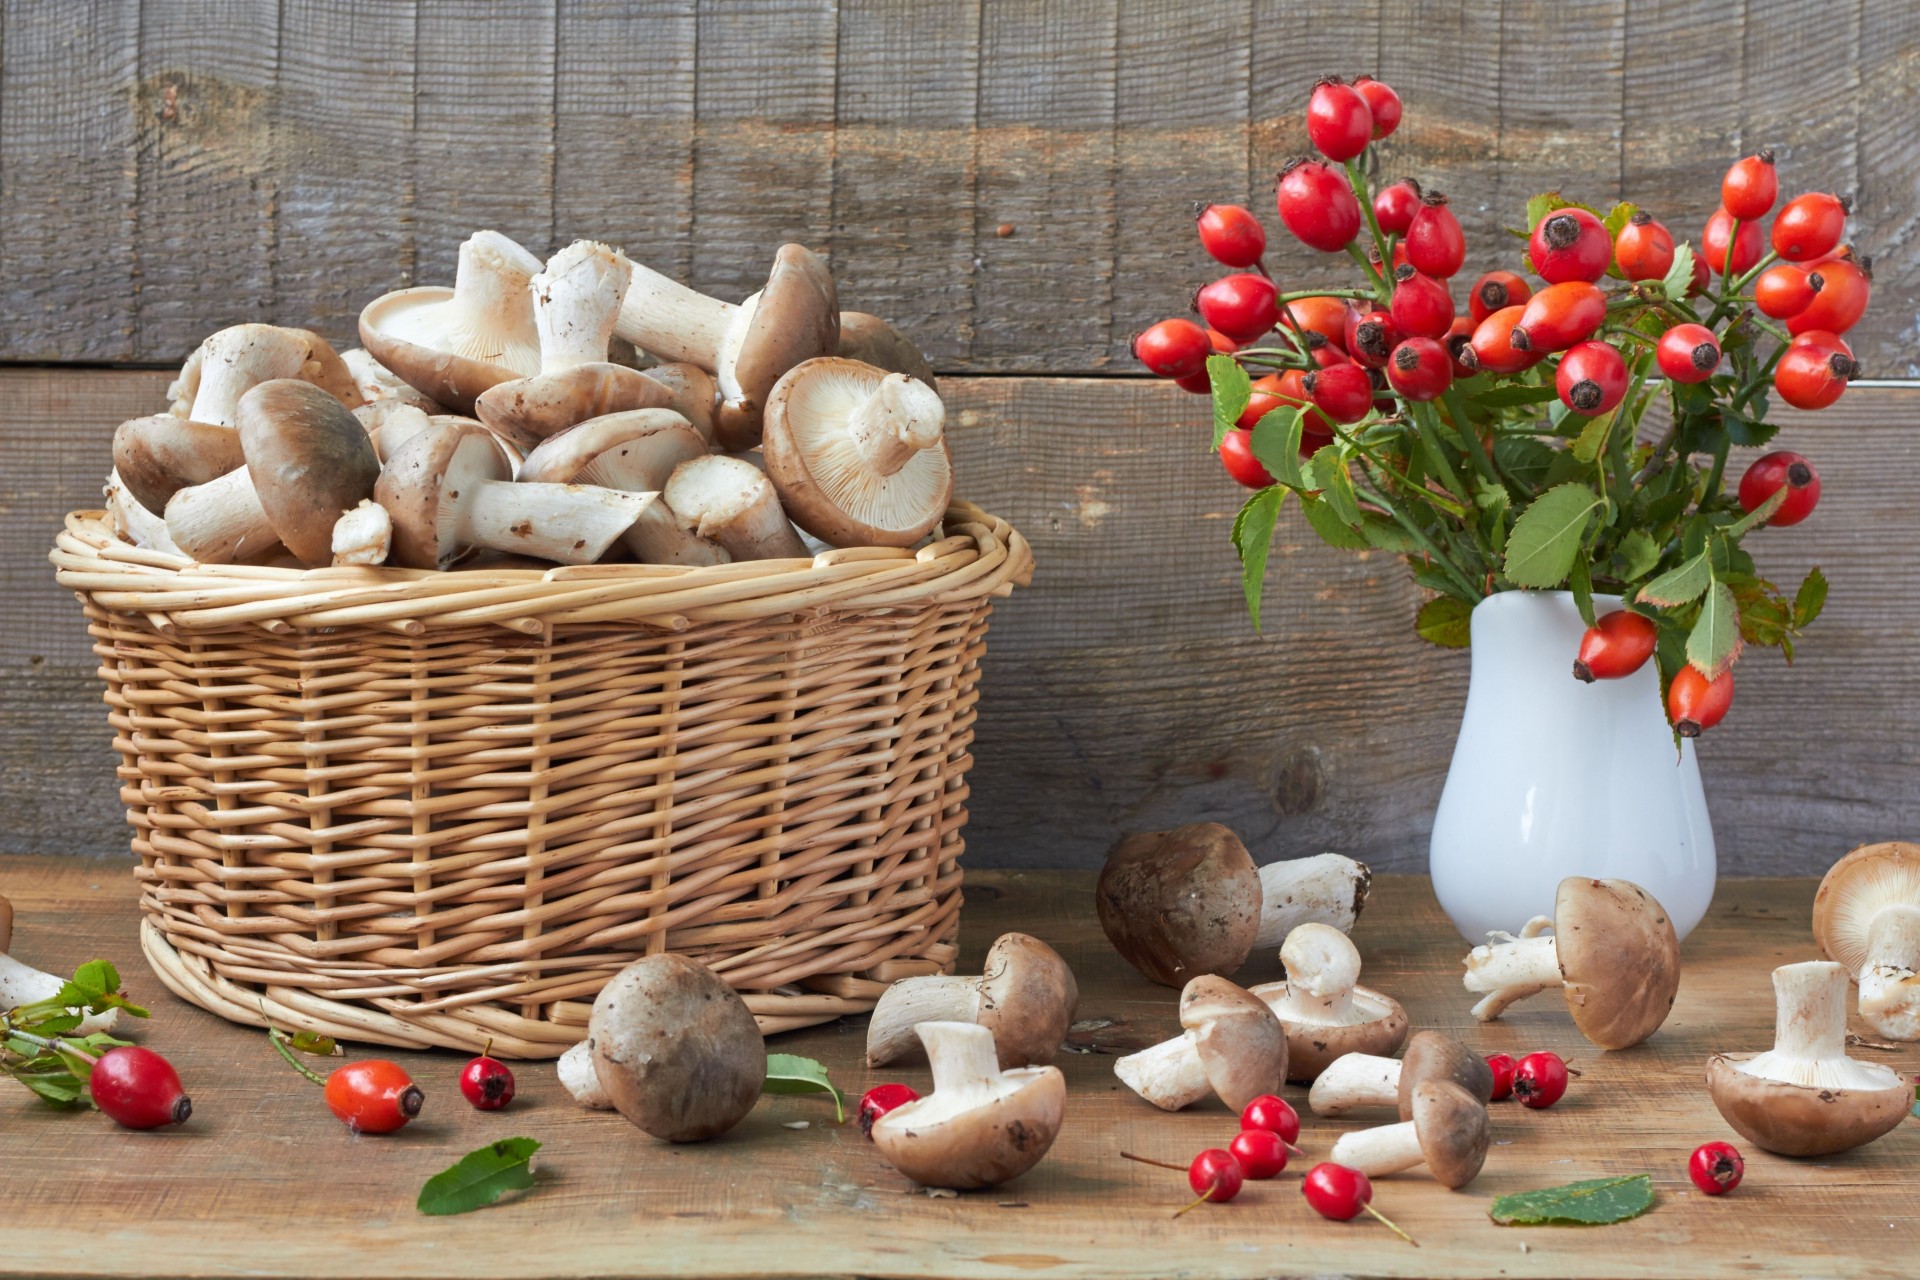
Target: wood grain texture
262, 1160
1125, 689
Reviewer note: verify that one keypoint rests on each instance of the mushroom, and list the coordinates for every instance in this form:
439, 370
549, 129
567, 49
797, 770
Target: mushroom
448, 492
1188, 901
232, 361
21, 983
746, 347
377, 383
1025, 996
1806, 1097
159, 455
1231, 1045
1612, 951
308, 459
676, 1049
133, 522
693, 394
859, 455
1327, 1014
1447, 1133
982, 1125
634, 451
390, 424
363, 535
871, 340
1368, 1080
1867, 917
452, 344
578, 1078
728, 501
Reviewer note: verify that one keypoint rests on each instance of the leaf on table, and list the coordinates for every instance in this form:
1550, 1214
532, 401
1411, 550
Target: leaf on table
480, 1177
1545, 538
1679, 584
1232, 390
1445, 621
314, 1043
790, 1073
1594, 1202
1715, 641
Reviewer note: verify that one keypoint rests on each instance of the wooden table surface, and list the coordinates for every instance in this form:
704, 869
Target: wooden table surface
263, 1181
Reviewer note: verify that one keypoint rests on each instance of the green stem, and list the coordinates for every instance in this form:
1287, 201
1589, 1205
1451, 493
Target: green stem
1476, 447
1468, 591
1427, 424
1380, 292
1301, 294
278, 1039
1772, 256
1358, 181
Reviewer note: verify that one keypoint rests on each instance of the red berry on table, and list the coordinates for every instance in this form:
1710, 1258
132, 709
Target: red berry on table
1592, 378
1746, 244
1688, 353
1243, 305
1371, 336
1435, 244
487, 1083
1261, 1154
1539, 1079
1845, 286
1382, 101
1420, 369
1343, 392
1812, 376
1274, 1114
375, 1096
1496, 291
1231, 235
1786, 290
1317, 204
1616, 646
1395, 204
1493, 347
138, 1089
1173, 348
1215, 1176
1570, 244
1343, 1194
1559, 316
1644, 248
1716, 1167
1810, 226
1501, 1065
1421, 306
881, 1099
1750, 187
1774, 471
1695, 703
1339, 121
1236, 455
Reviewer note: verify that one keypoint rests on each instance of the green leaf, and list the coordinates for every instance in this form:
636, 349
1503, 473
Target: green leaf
1758, 516
480, 1177
1232, 390
1593, 436
1333, 531
1252, 536
1810, 599
1580, 580
1335, 482
1618, 217
1636, 555
1715, 642
1679, 277
1383, 534
1546, 537
1549, 201
1595, 1202
1680, 584
1445, 621
788, 1073
1276, 445
314, 1043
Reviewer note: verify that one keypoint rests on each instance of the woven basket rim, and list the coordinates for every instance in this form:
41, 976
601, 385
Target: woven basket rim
980, 555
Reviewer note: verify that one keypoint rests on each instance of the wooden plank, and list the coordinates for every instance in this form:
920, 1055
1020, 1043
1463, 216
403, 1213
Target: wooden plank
1125, 689
1560, 117
1683, 112
67, 181
769, 1200
1886, 156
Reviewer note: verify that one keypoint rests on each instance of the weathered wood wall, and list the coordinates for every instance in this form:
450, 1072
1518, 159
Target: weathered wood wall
1010, 180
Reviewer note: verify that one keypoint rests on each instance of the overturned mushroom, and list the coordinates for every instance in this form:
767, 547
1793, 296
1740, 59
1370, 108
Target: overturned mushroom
728, 501
1447, 1132
1231, 1046
635, 451
676, 1049
1369, 1080
1025, 996
1326, 1012
1806, 1097
1612, 951
982, 1125
746, 347
871, 340
858, 455
452, 344
578, 1078
21, 983
1867, 917
363, 535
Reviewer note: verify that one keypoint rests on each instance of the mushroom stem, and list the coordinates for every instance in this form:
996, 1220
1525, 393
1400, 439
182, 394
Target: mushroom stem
221, 521
1328, 888
576, 300
580, 1080
1170, 1074
1889, 987
657, 538
1322, 968
570, 523
666, 318
1355, 1080
911, 1001
902, 416
1510, 969
728, 501
363, 535
962, 1057
134, 522
1809, 1021
1377, 1152
490, 276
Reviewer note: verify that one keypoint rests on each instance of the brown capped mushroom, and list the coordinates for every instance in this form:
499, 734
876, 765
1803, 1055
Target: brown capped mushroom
1370, 1080
871, 340
859, 455
1326, 1012
676, 1049
234, 360
1805, 1096
728, 501
746, 347
1867, 917
578, 1078
635, 451
982, 1125
1448, 1133
1025, 996
159, 455
1231, 1046
1612, 951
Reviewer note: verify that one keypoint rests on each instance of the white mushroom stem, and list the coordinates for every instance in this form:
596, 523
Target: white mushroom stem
1889, 986
1377, 1152
1170, 1075
1322, 968
1355, 1080
569, 523
575, 302
1327, 888
580, 1080
900, 418
221, 521
909, 1002
657, 538
363, 535
1509, 969
23, 984
1810, 1032
134, 522
237, 359
376, 382
666, 318
390, 424
730, 502
965, 1063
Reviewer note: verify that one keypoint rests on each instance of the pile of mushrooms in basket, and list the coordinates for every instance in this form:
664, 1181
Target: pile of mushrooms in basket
586, 409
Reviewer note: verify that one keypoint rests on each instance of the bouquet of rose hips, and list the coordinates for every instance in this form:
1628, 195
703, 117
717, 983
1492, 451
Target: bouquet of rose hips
1503, 448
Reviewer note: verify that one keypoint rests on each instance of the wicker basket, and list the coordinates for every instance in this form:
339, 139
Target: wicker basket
441, 808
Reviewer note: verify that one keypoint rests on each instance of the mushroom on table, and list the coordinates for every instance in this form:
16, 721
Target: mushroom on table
1326, 1012
21, 983
1231, 1045
1447, 1132
1370, 1080
1025, 996
983, 1124
1866, 916
675, 1049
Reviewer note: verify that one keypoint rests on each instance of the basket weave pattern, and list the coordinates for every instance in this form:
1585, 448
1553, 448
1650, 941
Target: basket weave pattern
437, 808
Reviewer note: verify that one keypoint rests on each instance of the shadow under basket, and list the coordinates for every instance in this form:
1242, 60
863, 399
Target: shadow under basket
433, 809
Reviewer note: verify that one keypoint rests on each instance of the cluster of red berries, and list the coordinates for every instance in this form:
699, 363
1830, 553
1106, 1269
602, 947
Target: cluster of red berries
1538, 1080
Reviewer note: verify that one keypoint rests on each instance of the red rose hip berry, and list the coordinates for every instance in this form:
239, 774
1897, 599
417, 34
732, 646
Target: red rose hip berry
1173, 348
1215, 1176
1339, 121
881, 1099
1644, 248
1496, 291
1750, 187
1382, 101
1688, 353
1435, 244
1274, 1114
1559, 316
1343, 1194
1695, 703
1570, 244
1812, 376
1493, 346
1501, 1065
1394, 206
1317, 205
1243, 305
1616, 646
138, 1089
1746, 244
1231, 235
1774, 471
1592, 378
1810, 226
1343, 392
1716, 1167
1420, 369
1236, 455
1260, 1153
1786, 290
375, 1096
486, 1083
1539, 1079
1845, 286
1421, 306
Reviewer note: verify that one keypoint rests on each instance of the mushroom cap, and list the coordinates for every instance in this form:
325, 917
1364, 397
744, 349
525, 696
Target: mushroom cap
437, 461
796, 317
1179, 903
827, 485
1451, 1125
636, 450
1852, 892
1432, 1056
693, 391
1620, 957
1027, 999
328, 370
1313, 1047
393, 329
1242, 1046
676, 1049
871, 340
1804, 1120
161, 454
309, 459
979, 1137
534, 409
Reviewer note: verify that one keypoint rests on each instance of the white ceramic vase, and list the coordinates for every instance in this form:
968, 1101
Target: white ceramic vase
1552, 777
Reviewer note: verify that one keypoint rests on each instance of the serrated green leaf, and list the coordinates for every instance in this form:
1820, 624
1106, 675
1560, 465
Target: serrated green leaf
789, 1073
1232, 391
1810, 599
1593, 436
480, 1177
1548, 202
1333, 531
1335, 482
1595, 1202
1618, 217
1546, 537
1679, 277
1679, 584
1383, 534
1759, 515
1714, 643
1276, 445
1636, 555
1252, 537
1446, 621
1580, 582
